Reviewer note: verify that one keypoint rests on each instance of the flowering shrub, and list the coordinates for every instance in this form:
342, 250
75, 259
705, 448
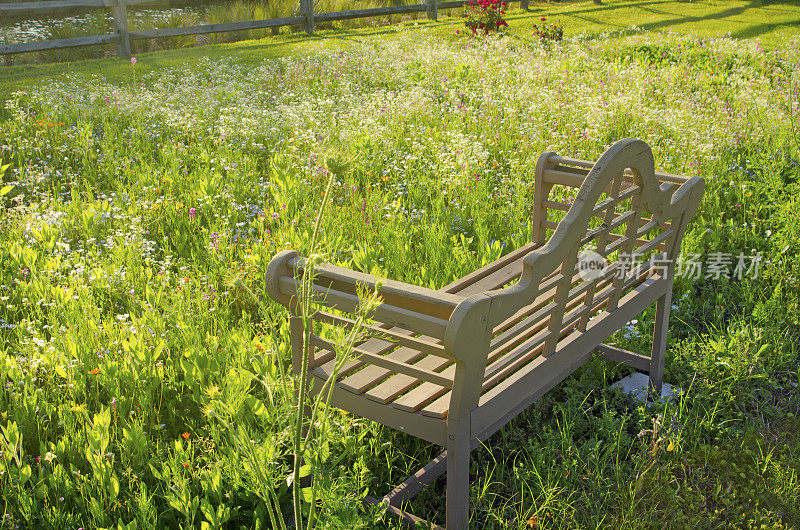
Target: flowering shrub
484, 15
548, 32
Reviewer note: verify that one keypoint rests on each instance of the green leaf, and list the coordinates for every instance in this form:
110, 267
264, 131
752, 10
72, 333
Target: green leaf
256, 406
176, 503
114, 488
209, 512
24, 474
306, 492
5, 189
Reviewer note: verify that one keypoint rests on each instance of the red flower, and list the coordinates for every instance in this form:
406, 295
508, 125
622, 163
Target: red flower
185, 435
544, 18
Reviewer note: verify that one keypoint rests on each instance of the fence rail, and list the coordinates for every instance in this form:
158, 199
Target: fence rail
122, 37
60, 6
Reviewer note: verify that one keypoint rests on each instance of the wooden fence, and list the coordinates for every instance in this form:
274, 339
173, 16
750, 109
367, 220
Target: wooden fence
122, 37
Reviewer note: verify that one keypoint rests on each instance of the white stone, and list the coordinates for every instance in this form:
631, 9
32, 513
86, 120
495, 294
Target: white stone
636, 385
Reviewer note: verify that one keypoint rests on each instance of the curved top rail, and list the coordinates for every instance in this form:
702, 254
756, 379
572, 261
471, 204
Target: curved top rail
660, 198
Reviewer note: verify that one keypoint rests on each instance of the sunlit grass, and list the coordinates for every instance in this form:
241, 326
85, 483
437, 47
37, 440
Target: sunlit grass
136, 364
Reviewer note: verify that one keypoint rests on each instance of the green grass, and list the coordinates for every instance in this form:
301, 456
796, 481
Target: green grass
771, 22
141, 374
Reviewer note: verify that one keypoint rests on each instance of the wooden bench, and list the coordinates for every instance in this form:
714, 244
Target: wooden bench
455, 365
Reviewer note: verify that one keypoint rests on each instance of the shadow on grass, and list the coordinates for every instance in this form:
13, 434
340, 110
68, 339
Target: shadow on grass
767, 27
754, 29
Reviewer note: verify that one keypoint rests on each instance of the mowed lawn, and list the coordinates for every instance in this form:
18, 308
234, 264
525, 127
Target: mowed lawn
143, 365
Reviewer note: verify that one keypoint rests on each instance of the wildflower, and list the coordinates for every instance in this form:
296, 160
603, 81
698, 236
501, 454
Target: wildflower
134, 61
95, 371
186, 464
192, 213
185, 435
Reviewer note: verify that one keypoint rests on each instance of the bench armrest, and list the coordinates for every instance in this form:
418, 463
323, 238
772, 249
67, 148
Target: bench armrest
416, 309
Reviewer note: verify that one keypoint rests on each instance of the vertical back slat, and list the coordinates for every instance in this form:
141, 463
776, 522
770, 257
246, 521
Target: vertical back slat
602, 241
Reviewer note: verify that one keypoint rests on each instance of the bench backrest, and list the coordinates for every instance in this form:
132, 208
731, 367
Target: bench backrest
623, 227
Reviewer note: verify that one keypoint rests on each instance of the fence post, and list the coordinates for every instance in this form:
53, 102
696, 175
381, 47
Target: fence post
524, 4
307, 11
433, 9
121, 27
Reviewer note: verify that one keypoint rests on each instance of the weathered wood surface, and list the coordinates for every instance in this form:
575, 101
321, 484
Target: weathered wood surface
453, 366
215, 28
60, 6
121, 28
373, 12
57, 44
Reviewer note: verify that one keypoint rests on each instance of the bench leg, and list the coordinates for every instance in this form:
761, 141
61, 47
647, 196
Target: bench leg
408, 489
458, 449
659, 343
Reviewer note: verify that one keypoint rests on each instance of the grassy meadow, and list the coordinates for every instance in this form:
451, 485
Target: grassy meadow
142, 365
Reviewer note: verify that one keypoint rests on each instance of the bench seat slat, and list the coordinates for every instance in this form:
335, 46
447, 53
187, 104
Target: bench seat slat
424, 427
390, 363
391, 388
438, 408
372, 375
398, 384
372, 345
420, 396
399, 335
